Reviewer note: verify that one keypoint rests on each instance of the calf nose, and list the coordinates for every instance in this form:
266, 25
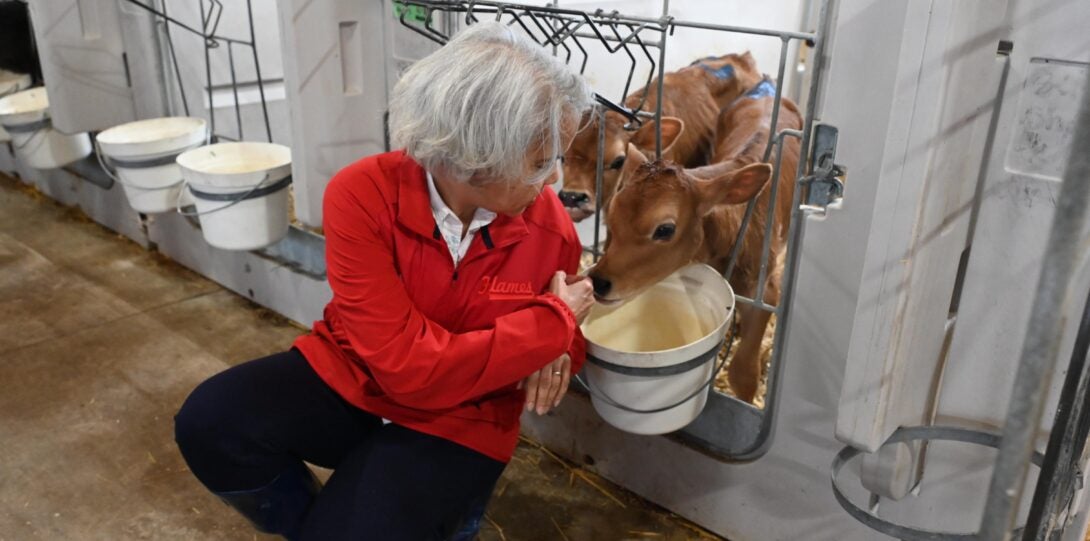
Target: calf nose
601, 285
573, 199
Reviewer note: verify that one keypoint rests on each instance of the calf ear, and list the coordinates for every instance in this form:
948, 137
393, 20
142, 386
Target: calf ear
634, 158
732, 187
644, 138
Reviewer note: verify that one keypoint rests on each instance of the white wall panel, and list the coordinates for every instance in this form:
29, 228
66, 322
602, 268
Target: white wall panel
82, 57
335, 73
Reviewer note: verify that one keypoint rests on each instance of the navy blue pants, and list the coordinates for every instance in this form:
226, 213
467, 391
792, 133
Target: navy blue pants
239, 429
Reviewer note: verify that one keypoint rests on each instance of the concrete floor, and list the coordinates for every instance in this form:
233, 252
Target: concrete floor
100, 341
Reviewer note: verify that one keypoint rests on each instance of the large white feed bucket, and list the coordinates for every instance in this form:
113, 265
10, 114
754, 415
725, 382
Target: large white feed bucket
25, 115
11, 83
145, 155
651, 361
240, 191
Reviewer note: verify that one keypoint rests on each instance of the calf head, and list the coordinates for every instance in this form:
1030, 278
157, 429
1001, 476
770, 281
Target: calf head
656, 221
720, 79
729, 76
581, 160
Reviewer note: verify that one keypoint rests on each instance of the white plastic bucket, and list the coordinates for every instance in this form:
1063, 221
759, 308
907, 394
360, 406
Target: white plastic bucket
651, 361
240, 191
11, 83
145, 152
25, 115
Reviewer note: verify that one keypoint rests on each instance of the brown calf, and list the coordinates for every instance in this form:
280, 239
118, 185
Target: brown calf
694, 95
663, 218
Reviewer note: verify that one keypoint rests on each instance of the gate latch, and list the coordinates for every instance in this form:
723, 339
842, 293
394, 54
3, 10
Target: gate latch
825, 183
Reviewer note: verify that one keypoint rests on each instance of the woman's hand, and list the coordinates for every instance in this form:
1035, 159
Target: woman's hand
546, 387
576, 291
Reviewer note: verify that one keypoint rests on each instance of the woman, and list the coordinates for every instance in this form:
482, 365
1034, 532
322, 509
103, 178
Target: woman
452, 309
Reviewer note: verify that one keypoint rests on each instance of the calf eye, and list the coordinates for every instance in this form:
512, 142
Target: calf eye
664, 232
617, 163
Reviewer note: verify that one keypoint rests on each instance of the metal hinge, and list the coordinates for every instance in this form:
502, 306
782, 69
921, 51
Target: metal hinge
825, 183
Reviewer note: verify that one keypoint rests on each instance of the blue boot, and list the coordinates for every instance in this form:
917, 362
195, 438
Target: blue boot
280, 506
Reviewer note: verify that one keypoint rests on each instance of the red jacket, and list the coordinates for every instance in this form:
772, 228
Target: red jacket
412, 339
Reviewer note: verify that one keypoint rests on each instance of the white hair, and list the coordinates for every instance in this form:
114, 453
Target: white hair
482, 102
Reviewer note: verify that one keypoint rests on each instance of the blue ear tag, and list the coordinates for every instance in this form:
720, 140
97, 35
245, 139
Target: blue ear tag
725, 72
764, 90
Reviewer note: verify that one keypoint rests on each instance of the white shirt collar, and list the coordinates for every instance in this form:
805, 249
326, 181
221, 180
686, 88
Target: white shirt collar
450, 226
442, 212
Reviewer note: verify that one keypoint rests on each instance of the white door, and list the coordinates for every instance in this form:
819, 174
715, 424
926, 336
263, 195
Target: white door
986, 120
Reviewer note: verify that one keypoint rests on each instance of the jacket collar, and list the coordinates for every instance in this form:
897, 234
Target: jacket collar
414, 209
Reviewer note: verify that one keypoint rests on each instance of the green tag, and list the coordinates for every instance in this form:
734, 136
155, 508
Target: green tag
411, 12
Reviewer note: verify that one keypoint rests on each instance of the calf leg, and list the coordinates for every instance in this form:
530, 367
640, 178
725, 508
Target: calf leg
744, 372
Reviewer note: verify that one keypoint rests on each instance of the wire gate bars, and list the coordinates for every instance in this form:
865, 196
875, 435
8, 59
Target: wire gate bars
211, 14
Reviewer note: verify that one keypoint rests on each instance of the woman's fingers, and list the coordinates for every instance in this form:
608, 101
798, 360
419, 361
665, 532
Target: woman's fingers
555, 283
545, 391
557, 377
584, 291
546, 388
560, 378
531, 390
577, 295
565, 378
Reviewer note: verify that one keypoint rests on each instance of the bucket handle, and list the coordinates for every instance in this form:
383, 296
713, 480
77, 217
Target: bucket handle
104, 162
35, 128
30, 139
255, 191
601, 395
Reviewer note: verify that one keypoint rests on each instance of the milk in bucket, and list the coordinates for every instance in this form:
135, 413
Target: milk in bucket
657, 320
